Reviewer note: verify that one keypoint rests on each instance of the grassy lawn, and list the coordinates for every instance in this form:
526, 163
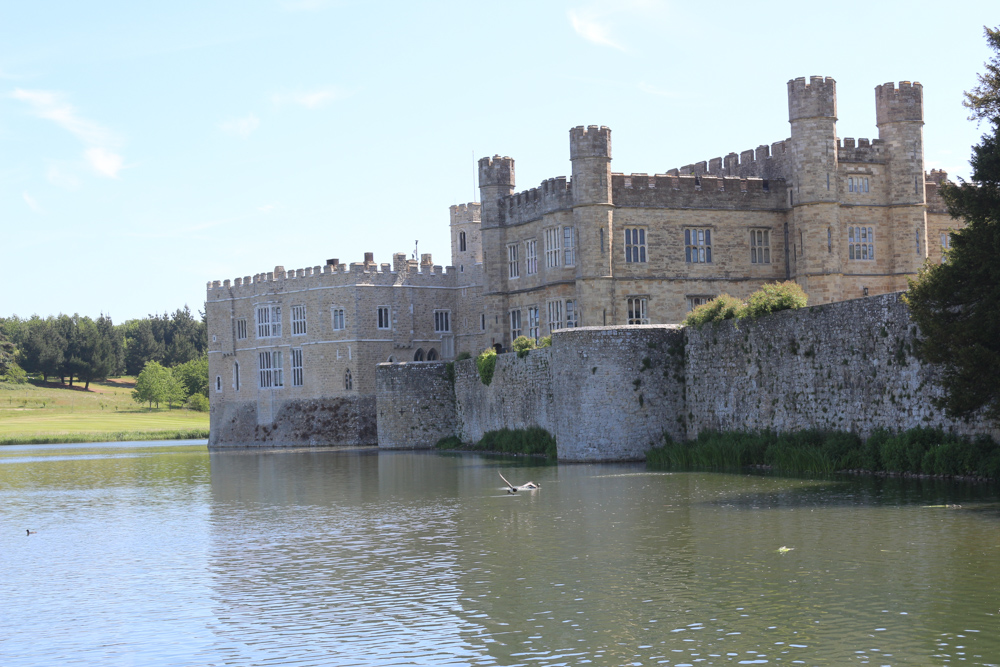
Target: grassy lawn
36, 413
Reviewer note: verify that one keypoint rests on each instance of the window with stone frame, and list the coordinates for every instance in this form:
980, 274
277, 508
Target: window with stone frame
442, 321
552, 247
635, 245
298, 320
515, 324
236, 375
271, 370
461, 241
572, 315
858, 184
382, 317
861, 243
760, 246
269, 321
513, 268
569, 246
348, 380
533, 322
297, 374
555, 313
698, 246
337, 315
698, 300
945, 246
637, 309
241, 328
531, 257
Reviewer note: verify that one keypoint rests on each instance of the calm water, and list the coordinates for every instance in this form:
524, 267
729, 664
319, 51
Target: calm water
161, 554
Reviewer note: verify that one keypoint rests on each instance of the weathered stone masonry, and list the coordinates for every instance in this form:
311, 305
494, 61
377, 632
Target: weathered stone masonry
609, 393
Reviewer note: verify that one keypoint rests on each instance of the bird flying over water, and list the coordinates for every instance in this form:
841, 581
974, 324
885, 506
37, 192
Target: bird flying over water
30, 531
527, 486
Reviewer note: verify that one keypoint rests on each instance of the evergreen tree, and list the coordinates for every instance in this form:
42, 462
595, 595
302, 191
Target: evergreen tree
44, 347
141, 346
957, 304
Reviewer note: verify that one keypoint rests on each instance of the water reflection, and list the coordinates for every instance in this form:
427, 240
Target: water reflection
168, 555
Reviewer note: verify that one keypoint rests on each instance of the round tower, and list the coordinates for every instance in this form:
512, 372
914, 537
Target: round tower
899, 115
593, 210
496, 183
466, 242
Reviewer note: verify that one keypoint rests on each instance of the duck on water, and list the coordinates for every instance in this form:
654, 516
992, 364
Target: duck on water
527, 486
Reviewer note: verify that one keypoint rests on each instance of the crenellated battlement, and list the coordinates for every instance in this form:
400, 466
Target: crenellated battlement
932, 190
697, 191
863, 150
770, 162
401, 272
496, 170
904, 103
589, 141
554, 194
463, 213
816, 98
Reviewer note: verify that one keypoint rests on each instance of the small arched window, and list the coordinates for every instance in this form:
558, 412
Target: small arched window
348, 381
461, 241
419, 354
432, 355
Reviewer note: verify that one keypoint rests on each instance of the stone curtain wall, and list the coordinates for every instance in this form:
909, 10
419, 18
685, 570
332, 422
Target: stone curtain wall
846, 366
617, 390
318, 422
520, 395
416, 404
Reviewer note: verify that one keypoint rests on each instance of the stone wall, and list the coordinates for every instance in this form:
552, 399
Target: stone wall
322, 422
416, 405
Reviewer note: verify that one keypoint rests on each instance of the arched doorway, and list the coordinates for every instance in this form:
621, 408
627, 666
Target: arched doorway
419, 354
432, 354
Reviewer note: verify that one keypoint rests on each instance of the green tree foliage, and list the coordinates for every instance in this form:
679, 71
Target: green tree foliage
772, 297
722, 307
957, 304
8, 353
170, 339
141, 346
44, 347
156, 384
486, 363
193, 376
523, 345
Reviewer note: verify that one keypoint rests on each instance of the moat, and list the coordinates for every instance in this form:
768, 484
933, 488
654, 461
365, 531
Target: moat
164, 554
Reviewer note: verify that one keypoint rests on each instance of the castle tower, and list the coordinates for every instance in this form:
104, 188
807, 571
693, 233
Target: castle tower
813, 192
590, 154
496, 182
899, 116
466, 238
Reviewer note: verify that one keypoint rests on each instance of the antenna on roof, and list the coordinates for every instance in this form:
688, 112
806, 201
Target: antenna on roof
474, 174
415, 244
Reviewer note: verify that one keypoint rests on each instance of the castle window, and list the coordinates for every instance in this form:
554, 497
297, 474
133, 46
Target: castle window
637, 311
268, 321
382, 313
218, 383
860, 243
515, 324
552, 247
698, 246
432, 354
461, 241
513, 270
337, 313
298, 320
569, 246
918, 242
270, 369
419, 354
760, 246
442, 321
349, 381
482, 321
297, 368
555, 315
635, 245
945, 246
236, 376
241, 328
531, 257
572, 317
533, 322
695, 301
857, 184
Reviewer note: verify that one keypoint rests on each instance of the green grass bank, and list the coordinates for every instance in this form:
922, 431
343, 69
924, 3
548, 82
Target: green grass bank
533, 441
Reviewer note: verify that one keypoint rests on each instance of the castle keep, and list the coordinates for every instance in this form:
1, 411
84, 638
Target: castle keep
293, 354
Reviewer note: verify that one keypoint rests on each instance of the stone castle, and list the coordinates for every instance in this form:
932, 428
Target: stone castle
293, 354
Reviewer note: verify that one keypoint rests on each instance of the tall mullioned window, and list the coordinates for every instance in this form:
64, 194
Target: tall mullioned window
698, 246
271, 370
572, 316
513, 269
860, 243
337, 315
760, 246
442, 321
552, 248
515, 324
857, 184
268, 321
635, 245
298, 320
945, 246
461, 241
241, 328
555, 315
531, 257
533, 322
297, 368
569, 246
637, 310
382, 317
348, 380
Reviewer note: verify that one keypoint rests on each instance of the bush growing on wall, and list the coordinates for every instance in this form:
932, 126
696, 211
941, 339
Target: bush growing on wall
722, 307
522, 345
772, 297
486, 362
545, 341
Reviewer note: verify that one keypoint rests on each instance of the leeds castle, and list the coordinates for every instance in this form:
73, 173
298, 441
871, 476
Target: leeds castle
293, 353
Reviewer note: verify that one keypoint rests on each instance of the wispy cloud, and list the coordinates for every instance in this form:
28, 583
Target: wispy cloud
59, 175
241, 127
655, 90
312, 99
595, 22
30, 201
266, 208
52, 106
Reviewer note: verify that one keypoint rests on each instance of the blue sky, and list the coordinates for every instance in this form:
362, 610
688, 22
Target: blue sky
146, 148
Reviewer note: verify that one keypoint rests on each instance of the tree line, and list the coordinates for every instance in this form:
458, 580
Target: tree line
80, 348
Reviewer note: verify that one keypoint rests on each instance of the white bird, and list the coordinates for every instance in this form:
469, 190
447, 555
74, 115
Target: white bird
527, 486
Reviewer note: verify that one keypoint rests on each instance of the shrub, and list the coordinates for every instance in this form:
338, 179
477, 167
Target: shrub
722, 307
449, 442
463, 356
545, 341
15, 374
772, 297
534, 440
522, 345
486, 363
197, 402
